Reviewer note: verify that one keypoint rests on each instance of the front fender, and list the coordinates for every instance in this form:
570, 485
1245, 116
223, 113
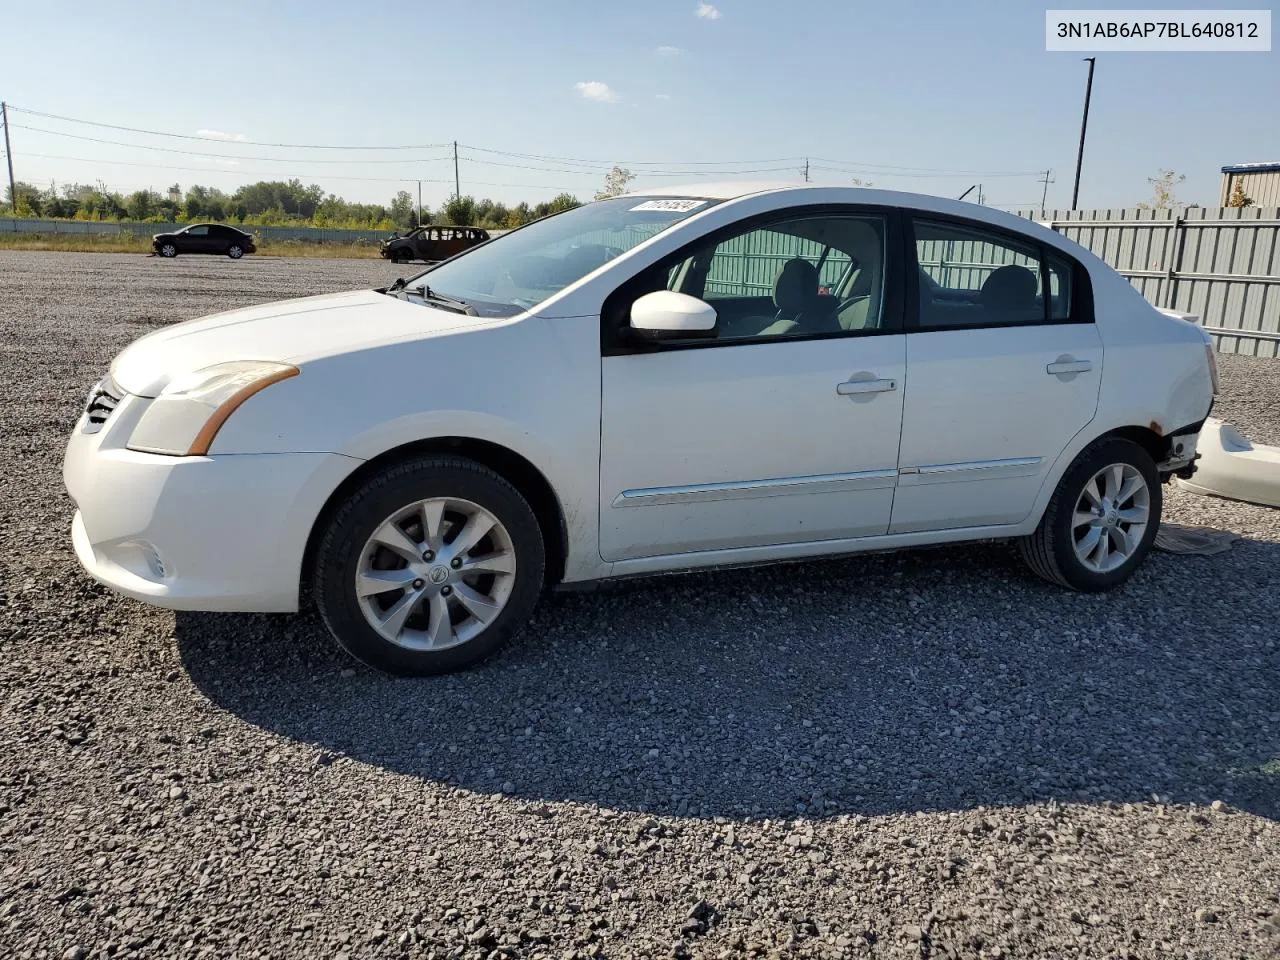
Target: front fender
526, 386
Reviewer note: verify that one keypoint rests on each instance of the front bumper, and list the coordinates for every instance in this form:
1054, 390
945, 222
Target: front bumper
224, 532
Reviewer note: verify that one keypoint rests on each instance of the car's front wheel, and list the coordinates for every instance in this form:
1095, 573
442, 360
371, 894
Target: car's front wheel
1102, 519
168, 249
429, 566
235, 251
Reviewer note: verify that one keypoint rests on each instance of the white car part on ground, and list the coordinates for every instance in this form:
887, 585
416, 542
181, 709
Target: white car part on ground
1230, 466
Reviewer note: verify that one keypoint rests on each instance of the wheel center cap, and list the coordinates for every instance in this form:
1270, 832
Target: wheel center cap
438, 575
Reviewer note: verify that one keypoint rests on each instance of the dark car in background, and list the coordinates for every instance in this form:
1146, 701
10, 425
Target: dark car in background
432, 243
204, 238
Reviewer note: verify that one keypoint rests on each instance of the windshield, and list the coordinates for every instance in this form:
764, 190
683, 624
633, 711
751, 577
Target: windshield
512, 273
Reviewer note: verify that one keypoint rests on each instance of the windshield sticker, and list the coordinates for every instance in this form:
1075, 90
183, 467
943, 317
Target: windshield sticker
673, 206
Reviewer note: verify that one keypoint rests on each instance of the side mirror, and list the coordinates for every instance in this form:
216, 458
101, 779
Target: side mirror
668, 315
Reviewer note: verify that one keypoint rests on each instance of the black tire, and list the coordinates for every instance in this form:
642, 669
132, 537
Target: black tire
169, 250
352, 524
402, 256
1050, 551
235, 251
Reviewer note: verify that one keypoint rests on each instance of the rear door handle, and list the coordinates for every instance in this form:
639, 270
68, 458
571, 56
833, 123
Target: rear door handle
854, 387
1066, 365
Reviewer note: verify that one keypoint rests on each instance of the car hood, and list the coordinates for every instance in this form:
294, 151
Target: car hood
290, 331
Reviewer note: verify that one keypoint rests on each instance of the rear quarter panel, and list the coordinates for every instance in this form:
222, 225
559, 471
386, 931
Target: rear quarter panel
1155, 374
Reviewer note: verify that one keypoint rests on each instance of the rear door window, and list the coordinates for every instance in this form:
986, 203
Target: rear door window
972, 277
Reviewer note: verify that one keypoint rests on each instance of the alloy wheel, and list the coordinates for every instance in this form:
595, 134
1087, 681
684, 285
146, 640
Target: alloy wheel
435, 574
1110, 517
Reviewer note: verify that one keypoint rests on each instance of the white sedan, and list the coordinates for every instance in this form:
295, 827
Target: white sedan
654, 382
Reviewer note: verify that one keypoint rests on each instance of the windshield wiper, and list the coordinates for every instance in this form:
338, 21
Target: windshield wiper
452, 303
398, 285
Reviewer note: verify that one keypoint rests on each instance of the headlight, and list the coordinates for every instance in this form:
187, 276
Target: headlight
187, 415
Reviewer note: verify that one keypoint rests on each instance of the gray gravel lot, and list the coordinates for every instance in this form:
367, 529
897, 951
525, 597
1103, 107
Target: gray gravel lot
915, 755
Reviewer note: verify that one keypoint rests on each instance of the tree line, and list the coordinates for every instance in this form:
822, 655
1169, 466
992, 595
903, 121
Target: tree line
267, 203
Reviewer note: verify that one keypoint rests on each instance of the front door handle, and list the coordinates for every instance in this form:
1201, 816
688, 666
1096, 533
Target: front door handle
1068, 365
854, 387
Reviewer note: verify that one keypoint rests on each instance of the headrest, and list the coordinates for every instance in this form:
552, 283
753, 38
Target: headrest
1010, 288
796, 288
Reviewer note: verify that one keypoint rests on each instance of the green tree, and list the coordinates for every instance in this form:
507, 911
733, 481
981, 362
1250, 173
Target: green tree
565, 201
23, 199
199, 202
141, 205
460, 210
519, 215
279, 200
403, 211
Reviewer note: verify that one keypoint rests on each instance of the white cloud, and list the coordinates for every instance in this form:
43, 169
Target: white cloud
219, 135
662, 96
706, 11
669, 51
595, 90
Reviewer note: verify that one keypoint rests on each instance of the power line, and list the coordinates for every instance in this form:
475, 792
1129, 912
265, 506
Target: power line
590, 166
925, 176
634, 163
255, 143
855, 167
276, 173
645, 173
225, 156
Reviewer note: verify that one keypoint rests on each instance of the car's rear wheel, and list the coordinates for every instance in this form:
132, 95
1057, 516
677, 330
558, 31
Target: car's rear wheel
235, 251
1101, 521
429, 567
168, 249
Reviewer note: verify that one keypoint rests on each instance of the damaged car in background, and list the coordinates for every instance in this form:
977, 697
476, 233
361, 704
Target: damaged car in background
431, 243
665, 381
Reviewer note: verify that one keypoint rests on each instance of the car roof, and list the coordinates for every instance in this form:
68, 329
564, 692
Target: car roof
827, 193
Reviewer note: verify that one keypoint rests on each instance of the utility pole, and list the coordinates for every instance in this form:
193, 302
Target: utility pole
1044, 194
1084, 123
457, 185
8, 155
805, 171
419, 203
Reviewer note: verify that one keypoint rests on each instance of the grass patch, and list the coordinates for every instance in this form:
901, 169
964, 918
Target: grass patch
127, 243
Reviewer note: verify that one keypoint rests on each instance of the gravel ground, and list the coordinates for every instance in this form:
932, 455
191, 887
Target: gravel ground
915, 755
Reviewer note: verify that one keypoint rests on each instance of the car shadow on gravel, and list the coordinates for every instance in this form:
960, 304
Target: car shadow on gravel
898, 683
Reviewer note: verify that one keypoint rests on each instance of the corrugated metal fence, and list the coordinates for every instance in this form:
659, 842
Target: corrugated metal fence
1221, 264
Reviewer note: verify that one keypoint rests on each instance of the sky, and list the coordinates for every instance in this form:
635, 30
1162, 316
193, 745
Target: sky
924, 97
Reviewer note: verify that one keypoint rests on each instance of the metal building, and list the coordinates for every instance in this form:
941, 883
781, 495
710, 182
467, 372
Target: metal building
1260, 181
